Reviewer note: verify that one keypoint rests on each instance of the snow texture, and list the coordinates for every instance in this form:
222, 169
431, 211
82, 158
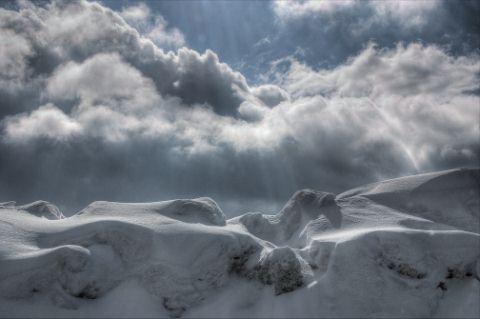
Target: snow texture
407, 247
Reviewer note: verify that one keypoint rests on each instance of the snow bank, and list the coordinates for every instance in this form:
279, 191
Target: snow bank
405, 247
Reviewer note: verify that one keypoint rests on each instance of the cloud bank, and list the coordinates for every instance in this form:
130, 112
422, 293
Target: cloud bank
93, 107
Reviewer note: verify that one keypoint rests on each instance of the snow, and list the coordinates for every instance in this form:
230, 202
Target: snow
449, 197
39, 208
407, 247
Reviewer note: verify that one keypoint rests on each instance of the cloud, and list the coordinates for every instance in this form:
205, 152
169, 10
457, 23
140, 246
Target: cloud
110, 115
103, 78
408, 13
270, 94
63, 32
13, 54
298, 8
406, 70
329, 32
136, 14
45, 122
419, 97
153, 27
158, 33
252, 112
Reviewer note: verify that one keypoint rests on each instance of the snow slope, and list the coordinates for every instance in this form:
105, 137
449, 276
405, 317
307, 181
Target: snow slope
408, 247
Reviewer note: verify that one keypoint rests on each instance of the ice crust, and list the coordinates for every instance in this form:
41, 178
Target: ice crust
404, 247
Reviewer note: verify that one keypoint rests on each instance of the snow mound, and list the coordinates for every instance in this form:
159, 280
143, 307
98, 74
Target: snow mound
282, 268
399, 248
39, 208
84, 257
448, 197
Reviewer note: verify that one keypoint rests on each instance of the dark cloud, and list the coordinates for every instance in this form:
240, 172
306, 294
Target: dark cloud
93, 110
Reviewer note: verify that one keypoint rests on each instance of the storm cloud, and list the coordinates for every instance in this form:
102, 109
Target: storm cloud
94, 108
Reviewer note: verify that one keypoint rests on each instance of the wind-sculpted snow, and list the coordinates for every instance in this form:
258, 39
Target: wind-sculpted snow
39, 208
448, 197
405, 247
304, 207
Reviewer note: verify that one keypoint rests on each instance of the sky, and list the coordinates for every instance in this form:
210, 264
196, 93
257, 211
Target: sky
242, 101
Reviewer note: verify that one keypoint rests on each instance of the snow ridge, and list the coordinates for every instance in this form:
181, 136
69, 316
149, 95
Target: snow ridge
404, 247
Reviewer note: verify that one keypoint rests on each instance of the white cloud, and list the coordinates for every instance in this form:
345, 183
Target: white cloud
163, 37
154, 27
407, 13
252, 111
298, 8
270, 94
136, 14
405, 70
103, 79
47, 121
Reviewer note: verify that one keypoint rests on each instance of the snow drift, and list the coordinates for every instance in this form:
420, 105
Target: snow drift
404, 247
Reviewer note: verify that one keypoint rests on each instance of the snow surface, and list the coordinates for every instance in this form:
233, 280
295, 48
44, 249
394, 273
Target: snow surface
407, 247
